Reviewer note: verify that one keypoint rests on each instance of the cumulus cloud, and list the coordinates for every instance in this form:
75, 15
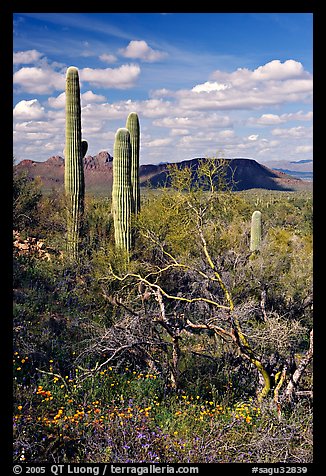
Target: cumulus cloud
32, 136
274, 70
267, 120
119, 78
209, 116
28, 110
159, 142
269, 84
39, 80
303, 149
89, 97
279, 71
210, 86
32, 126
139, 49
179, 132
194, 119
106, 111
274, 119
108, 58
26, 57
57, 102
299, 131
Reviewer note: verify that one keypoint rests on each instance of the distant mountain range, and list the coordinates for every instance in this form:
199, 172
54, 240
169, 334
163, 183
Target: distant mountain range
246, 173
300, 169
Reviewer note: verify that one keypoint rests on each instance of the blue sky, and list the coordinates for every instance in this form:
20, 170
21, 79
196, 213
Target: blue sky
203, 84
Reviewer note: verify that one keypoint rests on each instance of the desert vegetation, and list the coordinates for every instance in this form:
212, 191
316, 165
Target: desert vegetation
173, 326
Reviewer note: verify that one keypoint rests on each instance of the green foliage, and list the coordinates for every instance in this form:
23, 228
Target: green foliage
26, 197
92, 361
98, 224
52, 220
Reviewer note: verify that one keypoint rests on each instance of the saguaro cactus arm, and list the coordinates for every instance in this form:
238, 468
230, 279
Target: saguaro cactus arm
132, 125
84, 146
121, 190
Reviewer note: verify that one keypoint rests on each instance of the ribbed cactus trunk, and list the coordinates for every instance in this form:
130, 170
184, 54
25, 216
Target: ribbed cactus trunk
75, 149
132, 125
122, 199
255, 236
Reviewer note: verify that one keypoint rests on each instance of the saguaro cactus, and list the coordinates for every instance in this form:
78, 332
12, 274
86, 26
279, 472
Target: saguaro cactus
75, 149
122, 200
255, 236
132, 125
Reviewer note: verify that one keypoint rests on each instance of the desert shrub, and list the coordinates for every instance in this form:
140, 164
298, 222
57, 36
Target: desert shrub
93, 356
26, 196
51, 214
98, 223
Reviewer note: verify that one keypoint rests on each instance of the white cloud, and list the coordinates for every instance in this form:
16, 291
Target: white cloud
270, 84
279, 71
58, 102
89, 97
303, 148
106, 111
120, 78
37, 135
268, 120
299, 131
152, 108
209, 116
31, 126
139, 49
272, 71
28, 110
26, 57
108, 58
179, 132
159, 142
275, 119
226, 134
194, 119
39, 80
210, 86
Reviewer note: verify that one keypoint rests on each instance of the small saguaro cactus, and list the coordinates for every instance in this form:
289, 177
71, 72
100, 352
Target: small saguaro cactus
122, 200
75, 150
132, 125
255, 236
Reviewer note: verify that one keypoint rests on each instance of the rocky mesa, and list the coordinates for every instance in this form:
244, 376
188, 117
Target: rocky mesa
245, 173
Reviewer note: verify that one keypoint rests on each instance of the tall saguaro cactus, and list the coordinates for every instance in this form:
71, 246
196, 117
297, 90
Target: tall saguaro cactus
75, 150
255, 236
122, 199
132, 125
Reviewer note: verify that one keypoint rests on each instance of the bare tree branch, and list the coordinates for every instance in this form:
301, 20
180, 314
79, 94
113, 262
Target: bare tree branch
294, 381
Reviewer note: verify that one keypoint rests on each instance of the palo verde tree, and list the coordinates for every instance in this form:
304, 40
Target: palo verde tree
188, 294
